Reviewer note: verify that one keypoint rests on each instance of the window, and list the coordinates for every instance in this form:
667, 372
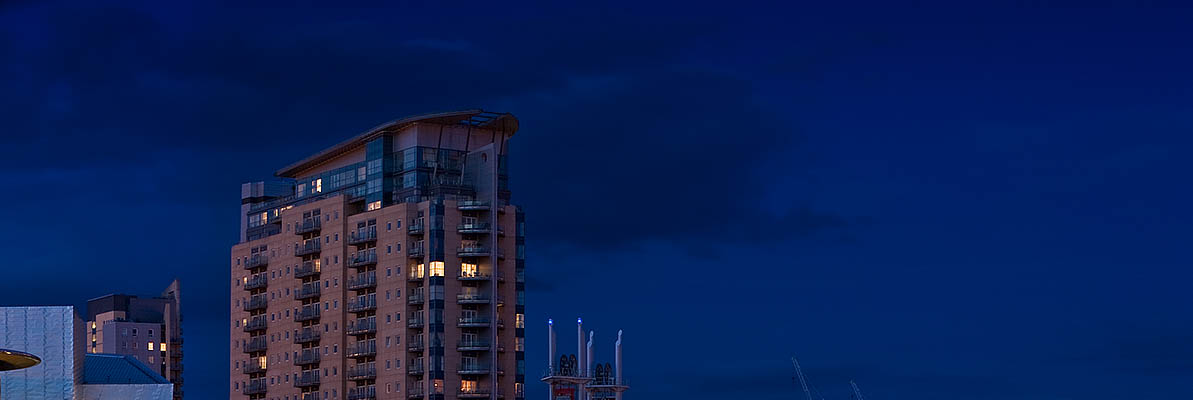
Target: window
436, 268
520, 344
162, 347
519, 320
388, 226
134, 331
317, 185
468, 270
151, 332
150, 347
376, 205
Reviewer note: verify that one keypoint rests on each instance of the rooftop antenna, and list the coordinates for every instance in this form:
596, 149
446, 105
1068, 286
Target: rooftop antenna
857, 393
802, 381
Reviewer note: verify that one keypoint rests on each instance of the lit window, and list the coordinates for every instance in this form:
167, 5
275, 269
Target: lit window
519, 320
436, 268
468, 270
150, 346
92, 324
374, 206
317, 185
163, 348
417, 272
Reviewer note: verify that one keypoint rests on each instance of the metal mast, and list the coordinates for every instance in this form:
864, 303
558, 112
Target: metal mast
857, 393
800, 374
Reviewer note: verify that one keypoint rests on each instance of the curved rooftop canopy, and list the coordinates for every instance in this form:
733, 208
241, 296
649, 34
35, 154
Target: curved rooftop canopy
479, 118
12, 359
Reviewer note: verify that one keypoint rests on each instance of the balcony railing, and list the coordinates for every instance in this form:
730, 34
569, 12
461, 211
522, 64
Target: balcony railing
256, 344
363, 235
416, 390
415, 345
307, 379
307, 357
416, 297
363, 281
362, 371
415, 322
475, 393
362, 393
308, 268
307, 313
415, 229
477, 276
362, 258
255, 387
362, 349
363, 326
473, 227
415, 251
307, 290
415, 368
257, 323
363, 303
473, 368
253, 366
256, 281
472, 205
256, 303
472, 345
308, 225
307, 335
254, 261
473, 322
309, 396
473, 251
308, 247
472, 298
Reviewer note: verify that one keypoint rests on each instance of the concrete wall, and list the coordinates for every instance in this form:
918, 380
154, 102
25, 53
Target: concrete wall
55, 334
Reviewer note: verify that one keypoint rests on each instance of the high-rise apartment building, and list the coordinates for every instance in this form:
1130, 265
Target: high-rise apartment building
389, 266
146, 328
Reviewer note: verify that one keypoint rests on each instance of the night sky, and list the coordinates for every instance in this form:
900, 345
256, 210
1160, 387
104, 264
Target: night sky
940, 202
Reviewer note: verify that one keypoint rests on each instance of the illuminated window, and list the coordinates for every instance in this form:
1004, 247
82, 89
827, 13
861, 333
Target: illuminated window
374, 206
417, 272
436, 268
317, 185
92, 324
519, 320
150, 346
467, 386
265, 217
163, 348
468, 270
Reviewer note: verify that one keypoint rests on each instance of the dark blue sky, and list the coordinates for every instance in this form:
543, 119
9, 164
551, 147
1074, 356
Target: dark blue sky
938, 201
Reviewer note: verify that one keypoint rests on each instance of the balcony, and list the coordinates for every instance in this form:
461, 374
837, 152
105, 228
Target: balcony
257, 302
472, 298
254, 366
255, 387
308, 225
306, 291
415, 229
416, 297
472, 345
473, 368
474, 250
475, 393
363, 303
362, 371
363, 258
415, 368
307, 335
478, 276
362, 349
415, 322
256, 260
472, 205
415, 251
415, 346
363, 281
362, 393
307, 313
308, 268
416, 390
307, 379
256, 281
473, 322
307, 357
308, 247
256, 323
309, 396
363, 235
256, 344
363, 326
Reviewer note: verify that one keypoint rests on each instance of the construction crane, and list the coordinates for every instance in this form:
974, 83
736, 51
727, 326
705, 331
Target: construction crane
857, 393
800, 374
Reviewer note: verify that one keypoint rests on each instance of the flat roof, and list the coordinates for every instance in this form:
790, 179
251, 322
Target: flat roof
474, 117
